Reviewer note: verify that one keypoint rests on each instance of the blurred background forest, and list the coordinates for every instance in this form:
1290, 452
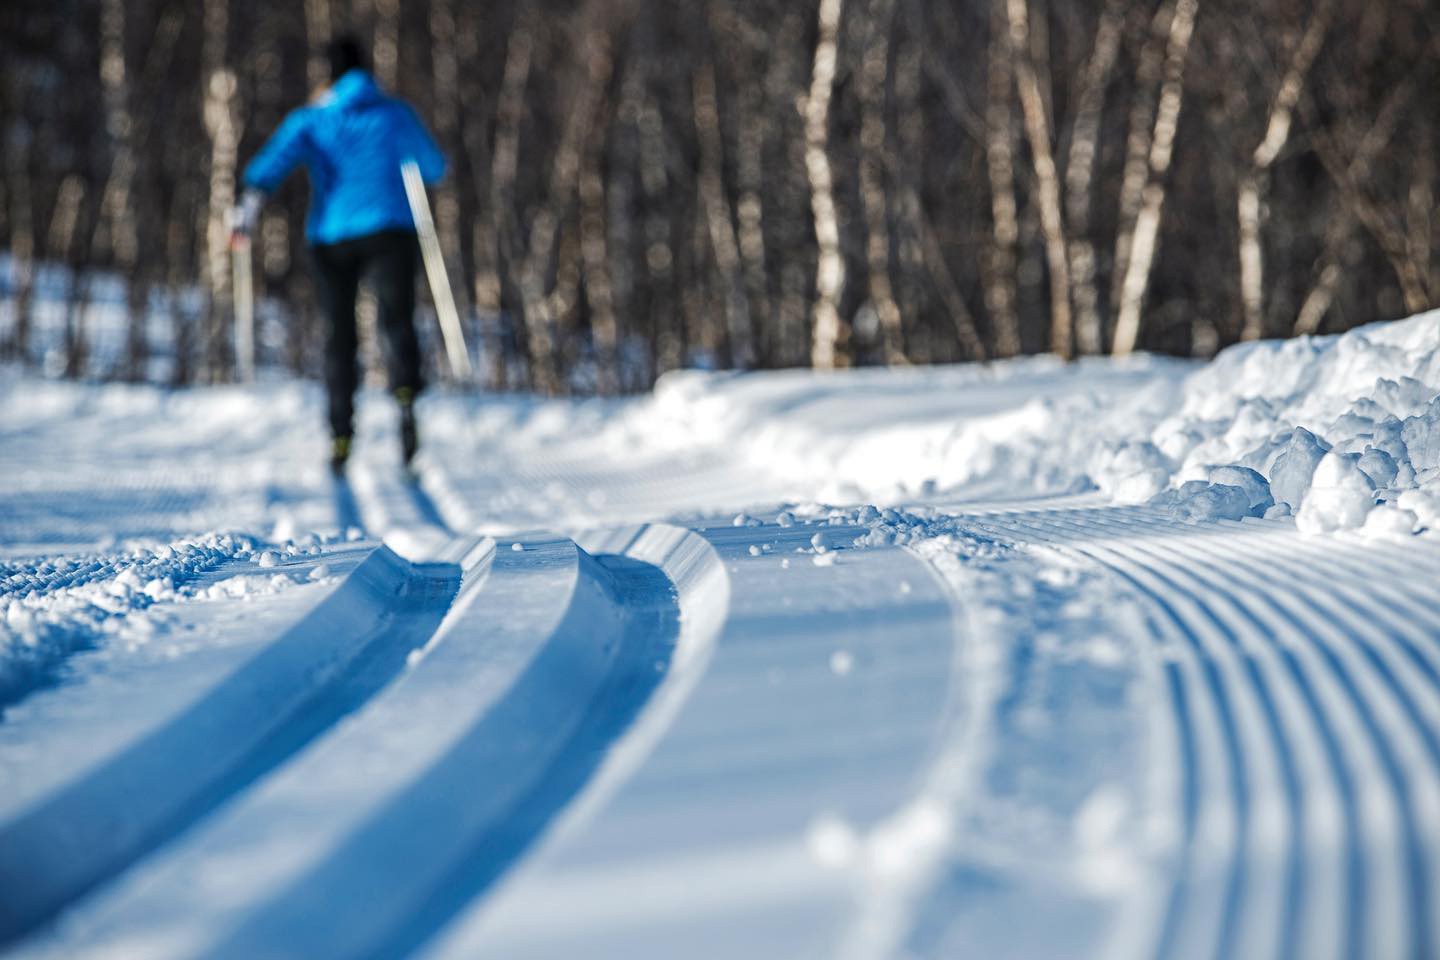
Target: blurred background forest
640, 185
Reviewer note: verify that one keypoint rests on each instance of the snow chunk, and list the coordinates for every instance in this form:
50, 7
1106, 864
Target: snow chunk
1388, 522
1197, 501
1131, 472
1300, 454
1257, 489
1421, 434
1425, 505
1340, 495
1379, 466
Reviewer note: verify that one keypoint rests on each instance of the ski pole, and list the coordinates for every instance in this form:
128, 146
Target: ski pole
244, 294
435, 272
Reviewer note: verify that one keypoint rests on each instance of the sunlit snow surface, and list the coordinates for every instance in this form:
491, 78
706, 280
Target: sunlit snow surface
1118, 659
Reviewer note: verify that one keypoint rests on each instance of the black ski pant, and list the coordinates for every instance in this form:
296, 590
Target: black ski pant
387, 259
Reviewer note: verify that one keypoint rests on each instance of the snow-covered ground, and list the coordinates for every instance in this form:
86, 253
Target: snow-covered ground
1114, 659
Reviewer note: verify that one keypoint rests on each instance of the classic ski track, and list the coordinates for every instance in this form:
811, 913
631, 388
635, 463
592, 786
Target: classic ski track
1213, 796
1219, 590
1396, 682
1301, 696
1349, 711
456, 826
752, 757
362, 854
398, 511
251, 722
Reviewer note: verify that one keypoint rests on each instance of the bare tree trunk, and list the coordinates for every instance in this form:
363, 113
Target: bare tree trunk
180, 239
790, 339
1147, 225
385, 54
117, 207
62, 244
131, 225
1080, 176
1052, 225
21, 246
699, 303
222, 122
1318, 301
1420, 208
563, 300
504, 168
1389, 235
564, 172
595, 255
634, 369
1342, 222
906, 171
487, 288
755, 125
1250, 204
659, 244
960, 315
874, 72
1000, 285
723, 244
830, 337
1138, 142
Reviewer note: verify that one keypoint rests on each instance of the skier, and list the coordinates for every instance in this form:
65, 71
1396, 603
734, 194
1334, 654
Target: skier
352, 140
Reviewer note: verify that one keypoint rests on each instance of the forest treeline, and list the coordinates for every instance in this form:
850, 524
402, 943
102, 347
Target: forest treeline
640, 185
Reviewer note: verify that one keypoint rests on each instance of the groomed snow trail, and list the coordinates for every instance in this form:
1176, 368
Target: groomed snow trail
646, 679
709, 848
1306, 710
250, 722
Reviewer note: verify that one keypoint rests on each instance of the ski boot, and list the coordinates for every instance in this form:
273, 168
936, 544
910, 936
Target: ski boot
409, 434
339, 453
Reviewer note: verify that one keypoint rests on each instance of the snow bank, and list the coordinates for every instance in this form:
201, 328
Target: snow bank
893, 436
51, 608
1325, 428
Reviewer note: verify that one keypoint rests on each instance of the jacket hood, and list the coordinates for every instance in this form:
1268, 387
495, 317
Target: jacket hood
354, 87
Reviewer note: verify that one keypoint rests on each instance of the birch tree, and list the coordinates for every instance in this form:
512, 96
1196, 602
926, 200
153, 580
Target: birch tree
1147, 224
1250, 204
1037, 134
831, 336
221, 110
1000, 164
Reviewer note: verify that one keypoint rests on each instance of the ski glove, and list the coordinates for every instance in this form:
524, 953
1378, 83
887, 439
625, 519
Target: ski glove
244, 215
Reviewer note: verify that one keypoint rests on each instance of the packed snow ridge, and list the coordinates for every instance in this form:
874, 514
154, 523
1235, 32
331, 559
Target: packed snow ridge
1341, 432
54, 607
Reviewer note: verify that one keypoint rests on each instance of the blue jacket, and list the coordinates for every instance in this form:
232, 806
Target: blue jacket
352, 142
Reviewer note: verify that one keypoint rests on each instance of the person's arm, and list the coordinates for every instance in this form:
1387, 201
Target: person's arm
282, 153
424, 151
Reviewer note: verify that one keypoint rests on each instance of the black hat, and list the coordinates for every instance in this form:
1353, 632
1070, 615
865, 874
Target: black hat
345, 53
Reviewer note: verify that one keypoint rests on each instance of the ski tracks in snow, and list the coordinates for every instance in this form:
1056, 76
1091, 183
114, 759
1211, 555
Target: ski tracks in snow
427, 721
721, 740
1304, 705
